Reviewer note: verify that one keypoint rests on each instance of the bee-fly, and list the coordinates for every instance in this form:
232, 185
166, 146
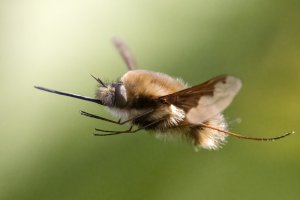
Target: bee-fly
166, 105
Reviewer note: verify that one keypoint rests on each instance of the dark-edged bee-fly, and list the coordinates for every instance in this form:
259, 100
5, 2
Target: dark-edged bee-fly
166, 105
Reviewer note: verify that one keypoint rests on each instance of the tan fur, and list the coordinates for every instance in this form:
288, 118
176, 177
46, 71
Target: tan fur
150, 84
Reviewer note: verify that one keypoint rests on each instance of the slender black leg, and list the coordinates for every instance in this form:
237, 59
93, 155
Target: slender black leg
108, 133
98, 117
112, 121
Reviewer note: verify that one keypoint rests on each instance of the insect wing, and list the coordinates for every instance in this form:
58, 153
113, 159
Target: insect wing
125, 53
204, 101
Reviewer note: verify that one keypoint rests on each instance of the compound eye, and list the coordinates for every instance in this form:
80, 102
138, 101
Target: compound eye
120, 95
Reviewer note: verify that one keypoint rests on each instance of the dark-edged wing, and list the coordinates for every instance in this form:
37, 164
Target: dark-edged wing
202, 102
125, 53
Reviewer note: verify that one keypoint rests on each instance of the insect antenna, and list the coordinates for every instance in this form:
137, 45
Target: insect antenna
70, 95
248, 137
99, 81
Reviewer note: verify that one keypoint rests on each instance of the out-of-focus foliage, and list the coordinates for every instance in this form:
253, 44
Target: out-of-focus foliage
47, 150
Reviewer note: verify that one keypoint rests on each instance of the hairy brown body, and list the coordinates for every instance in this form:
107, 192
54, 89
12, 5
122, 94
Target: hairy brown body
144, 91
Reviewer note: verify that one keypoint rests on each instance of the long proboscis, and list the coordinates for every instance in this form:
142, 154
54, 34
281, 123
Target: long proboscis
69, 95
248, 137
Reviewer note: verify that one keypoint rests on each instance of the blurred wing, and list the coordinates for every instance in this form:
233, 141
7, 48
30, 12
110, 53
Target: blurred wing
125, 53
204, 101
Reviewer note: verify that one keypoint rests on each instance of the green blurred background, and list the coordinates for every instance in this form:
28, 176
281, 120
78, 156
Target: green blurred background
47, 150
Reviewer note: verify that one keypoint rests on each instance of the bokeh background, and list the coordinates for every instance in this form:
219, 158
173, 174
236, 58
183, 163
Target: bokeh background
47, 150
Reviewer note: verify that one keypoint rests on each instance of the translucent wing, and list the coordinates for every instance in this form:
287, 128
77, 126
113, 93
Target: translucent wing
202, 102
125, 53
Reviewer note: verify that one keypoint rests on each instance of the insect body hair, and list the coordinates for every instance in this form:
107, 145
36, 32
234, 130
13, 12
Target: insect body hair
208, 138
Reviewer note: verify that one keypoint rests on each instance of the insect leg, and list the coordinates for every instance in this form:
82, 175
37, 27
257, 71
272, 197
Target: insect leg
112, 121
98, 117
248, 137
127, 131
201, 125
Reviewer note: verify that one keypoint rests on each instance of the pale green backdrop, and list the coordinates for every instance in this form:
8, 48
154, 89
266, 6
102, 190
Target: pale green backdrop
47, 150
